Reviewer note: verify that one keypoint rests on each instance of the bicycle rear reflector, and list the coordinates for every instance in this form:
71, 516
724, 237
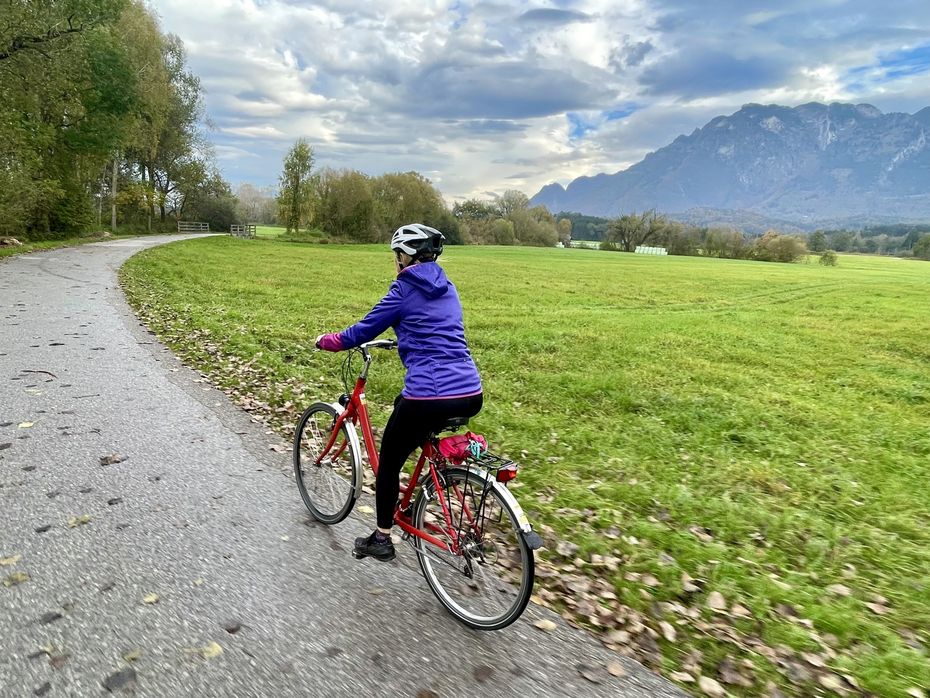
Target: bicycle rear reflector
507, 473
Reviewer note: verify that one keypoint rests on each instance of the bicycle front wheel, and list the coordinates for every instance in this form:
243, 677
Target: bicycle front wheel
488, 582
327, 480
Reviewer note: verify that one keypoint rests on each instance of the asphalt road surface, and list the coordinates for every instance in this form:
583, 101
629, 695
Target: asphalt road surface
191, 568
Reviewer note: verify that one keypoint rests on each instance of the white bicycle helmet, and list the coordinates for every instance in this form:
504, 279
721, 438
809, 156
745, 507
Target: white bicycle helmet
417, 239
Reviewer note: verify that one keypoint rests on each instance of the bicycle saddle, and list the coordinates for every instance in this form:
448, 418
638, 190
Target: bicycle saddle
452, 423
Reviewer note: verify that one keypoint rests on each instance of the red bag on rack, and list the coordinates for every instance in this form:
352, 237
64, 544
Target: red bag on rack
458, 447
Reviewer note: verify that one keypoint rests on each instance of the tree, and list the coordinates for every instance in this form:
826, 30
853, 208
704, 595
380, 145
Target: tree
922, 247
817, 242
502, 232
772, 247
534, 226
474, 210
829, 258
294, 191
680, 239
346, 207
725, 243
564, 227
406, 197
256, 204
510, 201
912, 237
630, 231
841, 240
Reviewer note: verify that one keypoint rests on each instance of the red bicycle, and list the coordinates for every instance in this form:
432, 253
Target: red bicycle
472, 540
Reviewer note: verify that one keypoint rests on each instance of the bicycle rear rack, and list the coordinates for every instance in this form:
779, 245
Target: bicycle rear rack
501, 468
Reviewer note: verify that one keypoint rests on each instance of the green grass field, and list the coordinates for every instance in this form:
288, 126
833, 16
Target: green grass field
270, 232
759, 428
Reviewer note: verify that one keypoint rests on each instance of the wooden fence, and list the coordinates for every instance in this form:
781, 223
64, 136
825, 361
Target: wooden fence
193, 227
242, 231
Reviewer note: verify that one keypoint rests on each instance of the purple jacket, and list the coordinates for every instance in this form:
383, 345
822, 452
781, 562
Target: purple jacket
423, 307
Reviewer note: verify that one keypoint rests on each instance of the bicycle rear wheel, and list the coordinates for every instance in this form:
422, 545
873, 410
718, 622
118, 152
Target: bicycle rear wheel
327, 481
488, 583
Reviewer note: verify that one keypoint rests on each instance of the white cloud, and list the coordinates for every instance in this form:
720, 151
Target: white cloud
476, 93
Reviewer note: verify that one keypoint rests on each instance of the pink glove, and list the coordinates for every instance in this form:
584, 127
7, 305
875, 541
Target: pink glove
329, 342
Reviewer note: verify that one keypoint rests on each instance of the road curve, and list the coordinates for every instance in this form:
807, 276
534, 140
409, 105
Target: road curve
191, 568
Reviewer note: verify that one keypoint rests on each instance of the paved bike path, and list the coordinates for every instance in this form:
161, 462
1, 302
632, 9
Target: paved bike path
194, 557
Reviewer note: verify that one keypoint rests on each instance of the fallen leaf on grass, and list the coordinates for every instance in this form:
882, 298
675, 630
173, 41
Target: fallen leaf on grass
619, 637
839, 590
681, 677
701, 533
740, 611
15, 578
716, 602
916, 693
668, 631
12, 560
877, 608
150, 598
831, 682
711, 687
689, 584
813, 659
545, 625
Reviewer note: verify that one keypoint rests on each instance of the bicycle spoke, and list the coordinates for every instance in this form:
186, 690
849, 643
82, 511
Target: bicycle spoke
488, 582
326, 478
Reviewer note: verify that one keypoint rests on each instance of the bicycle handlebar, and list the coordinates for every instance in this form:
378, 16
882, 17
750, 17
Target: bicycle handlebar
379, 344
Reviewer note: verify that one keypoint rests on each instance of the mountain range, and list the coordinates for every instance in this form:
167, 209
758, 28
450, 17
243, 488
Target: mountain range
774, 166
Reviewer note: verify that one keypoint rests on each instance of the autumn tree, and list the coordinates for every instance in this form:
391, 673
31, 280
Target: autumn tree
295, 193
629, 231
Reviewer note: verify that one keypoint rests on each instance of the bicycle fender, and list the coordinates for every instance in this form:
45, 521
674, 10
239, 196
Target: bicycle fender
532, 538
354, 444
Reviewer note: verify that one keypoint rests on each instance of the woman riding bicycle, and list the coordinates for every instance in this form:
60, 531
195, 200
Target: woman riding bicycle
423, 308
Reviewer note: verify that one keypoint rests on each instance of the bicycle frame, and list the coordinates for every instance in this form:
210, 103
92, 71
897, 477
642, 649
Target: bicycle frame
356, 412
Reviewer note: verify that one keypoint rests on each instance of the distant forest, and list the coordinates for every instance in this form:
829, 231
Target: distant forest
891, 239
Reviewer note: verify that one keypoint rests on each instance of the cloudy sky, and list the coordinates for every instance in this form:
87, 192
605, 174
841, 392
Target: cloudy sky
484, 96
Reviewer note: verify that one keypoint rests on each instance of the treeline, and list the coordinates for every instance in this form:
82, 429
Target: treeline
509, 220
629, 231
348, 205
896, 240
100, 123
903, 239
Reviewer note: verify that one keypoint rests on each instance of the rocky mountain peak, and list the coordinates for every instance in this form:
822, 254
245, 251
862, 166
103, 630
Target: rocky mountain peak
799, 164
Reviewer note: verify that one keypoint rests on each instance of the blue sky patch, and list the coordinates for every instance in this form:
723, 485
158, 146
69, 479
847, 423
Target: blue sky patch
906, 62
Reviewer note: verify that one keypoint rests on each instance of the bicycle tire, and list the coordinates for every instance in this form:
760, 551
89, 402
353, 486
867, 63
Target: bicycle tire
506, 542
339, 475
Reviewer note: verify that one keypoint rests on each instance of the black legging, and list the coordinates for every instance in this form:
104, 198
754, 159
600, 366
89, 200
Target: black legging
407, 428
